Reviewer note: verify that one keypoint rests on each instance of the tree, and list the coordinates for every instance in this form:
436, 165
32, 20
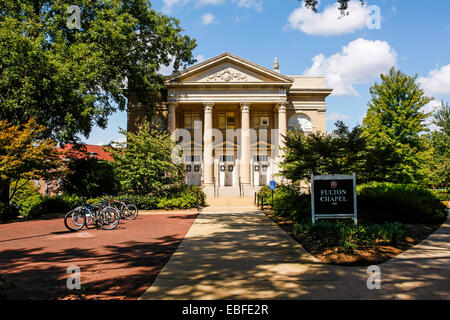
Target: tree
392, 127
341, 152
89, 177
24, 156
439, 139
313, 4
69, 79
144, 162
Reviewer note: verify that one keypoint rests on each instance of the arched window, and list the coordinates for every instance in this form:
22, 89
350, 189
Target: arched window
300, 122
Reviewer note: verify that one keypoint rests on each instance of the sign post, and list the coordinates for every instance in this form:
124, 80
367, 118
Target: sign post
333, 197
273, 186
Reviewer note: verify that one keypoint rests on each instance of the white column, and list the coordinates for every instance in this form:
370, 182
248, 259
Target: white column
282, 128
208, 161
172, 118
245, 144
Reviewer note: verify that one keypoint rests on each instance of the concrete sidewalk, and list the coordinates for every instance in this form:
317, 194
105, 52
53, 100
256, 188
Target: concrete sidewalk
233, 251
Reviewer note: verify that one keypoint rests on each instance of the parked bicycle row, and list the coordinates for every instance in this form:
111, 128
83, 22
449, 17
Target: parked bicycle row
105, 215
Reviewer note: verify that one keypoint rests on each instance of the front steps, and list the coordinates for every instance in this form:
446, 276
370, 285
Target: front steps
230, 192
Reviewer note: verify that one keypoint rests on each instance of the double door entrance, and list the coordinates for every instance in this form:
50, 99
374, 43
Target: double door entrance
193, 169
260, 170
227, 171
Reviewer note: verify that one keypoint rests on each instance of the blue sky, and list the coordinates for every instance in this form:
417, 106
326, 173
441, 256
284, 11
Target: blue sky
349, 52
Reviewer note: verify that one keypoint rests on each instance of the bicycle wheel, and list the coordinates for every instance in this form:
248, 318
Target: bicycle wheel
109, 218
123, 210
132, 212
75, 220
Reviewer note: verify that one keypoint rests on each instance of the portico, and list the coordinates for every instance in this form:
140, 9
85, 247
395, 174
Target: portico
230, 115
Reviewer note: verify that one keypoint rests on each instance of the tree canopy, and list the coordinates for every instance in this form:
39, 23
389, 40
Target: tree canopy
70, 79
438, 174
24, 156
143, 164
393, 127
313, 4
340, 152
88, 176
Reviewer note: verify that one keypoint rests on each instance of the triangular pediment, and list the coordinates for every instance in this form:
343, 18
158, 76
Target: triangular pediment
225, 144
228, 68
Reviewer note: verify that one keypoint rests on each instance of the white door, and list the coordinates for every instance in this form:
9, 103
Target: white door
193, 174
229, 174
264, 166
256, 173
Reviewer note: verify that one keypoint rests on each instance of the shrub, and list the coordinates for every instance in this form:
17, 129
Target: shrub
443, 196
37, 205
346, 236
181, 197
90, 177
31, 207
406, 203
288, 201
8, 212
141, 202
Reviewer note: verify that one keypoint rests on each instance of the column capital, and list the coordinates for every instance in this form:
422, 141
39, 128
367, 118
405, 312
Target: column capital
208, 106
281, 107
245, 106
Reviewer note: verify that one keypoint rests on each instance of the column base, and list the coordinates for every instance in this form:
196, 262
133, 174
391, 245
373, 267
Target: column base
209, 184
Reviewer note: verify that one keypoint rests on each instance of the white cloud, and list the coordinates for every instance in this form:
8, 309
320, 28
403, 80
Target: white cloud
437, 81
257, 4
208, 18
337, 116
430, 108
171, 4
200, 58
168, 70
361, 61
330, 21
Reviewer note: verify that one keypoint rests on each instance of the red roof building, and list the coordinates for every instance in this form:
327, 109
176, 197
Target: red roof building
86, 150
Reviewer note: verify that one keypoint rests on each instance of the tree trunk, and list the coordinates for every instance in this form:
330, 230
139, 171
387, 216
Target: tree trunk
4, 192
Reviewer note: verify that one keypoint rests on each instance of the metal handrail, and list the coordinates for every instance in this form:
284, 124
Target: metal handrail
215, 188
240, 188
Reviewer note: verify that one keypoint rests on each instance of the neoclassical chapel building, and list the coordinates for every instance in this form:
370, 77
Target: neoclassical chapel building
251, 107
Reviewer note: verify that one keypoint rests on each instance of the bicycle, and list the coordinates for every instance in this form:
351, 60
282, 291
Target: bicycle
127, 211
102, 215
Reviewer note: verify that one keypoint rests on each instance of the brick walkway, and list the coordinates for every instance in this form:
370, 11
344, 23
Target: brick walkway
233, 251
118, 264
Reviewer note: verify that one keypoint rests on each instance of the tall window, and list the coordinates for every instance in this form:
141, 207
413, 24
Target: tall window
260, 120
190, 118
227, 120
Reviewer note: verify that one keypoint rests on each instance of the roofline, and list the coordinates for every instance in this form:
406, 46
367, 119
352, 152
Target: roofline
314, 91
220, 57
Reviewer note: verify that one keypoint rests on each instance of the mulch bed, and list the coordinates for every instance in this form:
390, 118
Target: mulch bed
378, 254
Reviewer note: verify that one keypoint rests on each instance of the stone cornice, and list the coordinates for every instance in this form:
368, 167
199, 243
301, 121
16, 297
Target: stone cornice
310, 91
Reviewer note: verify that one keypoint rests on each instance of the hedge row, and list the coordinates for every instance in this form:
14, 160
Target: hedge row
377, 203
184, 197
